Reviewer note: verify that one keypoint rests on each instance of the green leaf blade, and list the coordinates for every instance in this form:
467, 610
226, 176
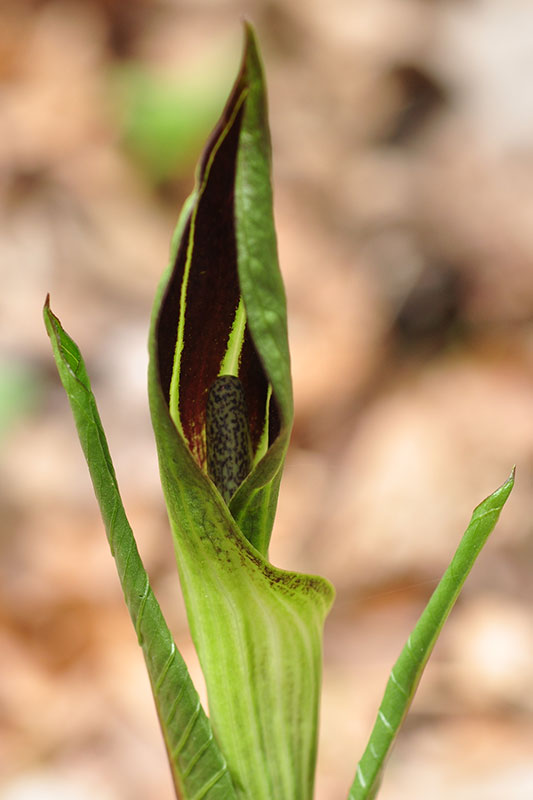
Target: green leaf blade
406, 673
198, 767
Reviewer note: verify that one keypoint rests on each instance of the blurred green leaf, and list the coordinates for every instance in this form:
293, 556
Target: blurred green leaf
19, 393
164, 122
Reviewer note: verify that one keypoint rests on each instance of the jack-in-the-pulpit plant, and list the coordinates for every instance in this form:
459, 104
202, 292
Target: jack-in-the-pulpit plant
221, 405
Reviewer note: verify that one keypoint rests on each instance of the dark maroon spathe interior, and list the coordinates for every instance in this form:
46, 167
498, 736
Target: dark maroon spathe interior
213, 295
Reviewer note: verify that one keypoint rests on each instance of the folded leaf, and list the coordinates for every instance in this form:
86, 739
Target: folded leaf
220, 310
406, 673
198, 767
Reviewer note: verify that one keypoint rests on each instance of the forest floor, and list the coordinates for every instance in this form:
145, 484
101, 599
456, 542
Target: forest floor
403, 179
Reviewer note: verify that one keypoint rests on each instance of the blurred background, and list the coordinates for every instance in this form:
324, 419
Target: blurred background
403, 177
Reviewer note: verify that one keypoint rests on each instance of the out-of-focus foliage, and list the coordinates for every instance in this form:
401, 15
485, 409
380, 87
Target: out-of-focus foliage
162, 120
20, 390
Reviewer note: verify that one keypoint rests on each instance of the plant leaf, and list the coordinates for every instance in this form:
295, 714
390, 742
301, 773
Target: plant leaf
198, 767
406, 673
257, 629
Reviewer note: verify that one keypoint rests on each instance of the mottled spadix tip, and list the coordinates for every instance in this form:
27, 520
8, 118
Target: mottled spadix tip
229, 447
